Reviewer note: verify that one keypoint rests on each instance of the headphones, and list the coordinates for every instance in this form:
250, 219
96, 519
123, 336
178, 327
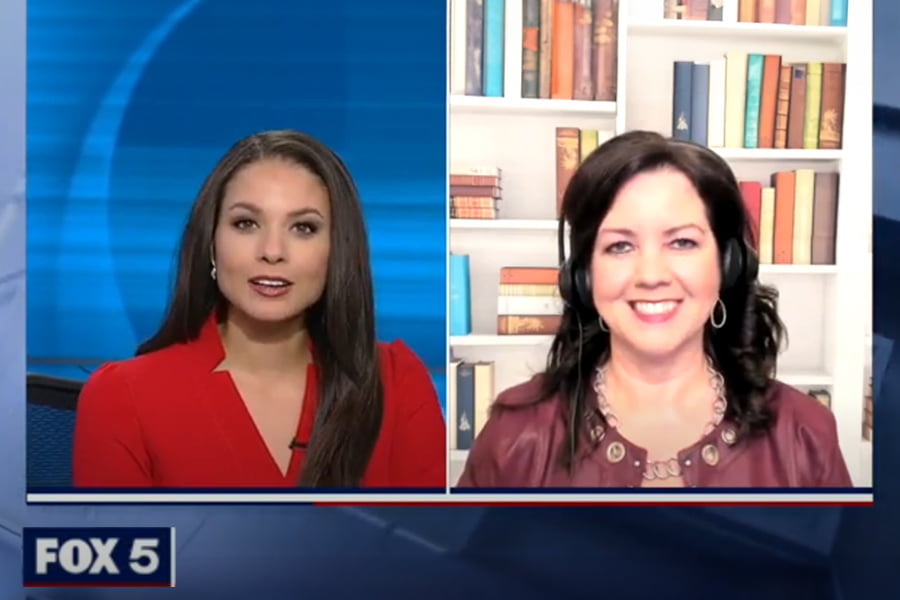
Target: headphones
740, 265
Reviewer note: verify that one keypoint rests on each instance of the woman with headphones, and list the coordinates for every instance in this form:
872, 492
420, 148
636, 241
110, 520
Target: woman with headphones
662, 373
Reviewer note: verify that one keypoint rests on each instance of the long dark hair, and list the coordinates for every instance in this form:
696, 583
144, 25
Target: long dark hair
744, 350
348, 418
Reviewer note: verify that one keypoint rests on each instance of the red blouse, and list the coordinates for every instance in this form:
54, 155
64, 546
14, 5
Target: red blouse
168, 419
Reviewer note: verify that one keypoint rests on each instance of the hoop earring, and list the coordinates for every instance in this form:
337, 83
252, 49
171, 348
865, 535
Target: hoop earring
712, 316
212, 272
603, 326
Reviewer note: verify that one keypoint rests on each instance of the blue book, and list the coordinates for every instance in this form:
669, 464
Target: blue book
699, 103
754, 91
681, 100
465, 406
460, 295
838, 13
493, 47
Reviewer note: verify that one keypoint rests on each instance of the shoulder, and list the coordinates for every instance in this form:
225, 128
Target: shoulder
405, 378
801, 413
519, 434
398, 360
806, 435
152, 370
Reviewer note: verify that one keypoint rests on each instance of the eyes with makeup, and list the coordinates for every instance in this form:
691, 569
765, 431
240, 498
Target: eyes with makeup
621, 243
303, 223
303, 228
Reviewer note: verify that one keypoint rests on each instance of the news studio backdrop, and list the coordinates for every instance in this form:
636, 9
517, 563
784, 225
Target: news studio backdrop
238, 550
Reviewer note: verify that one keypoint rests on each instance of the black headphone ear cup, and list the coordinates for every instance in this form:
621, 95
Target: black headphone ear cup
583, 289
565, 283
731, 264
751, 269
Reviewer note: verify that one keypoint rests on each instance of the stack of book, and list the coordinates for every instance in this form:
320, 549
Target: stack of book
475, 192
528, 302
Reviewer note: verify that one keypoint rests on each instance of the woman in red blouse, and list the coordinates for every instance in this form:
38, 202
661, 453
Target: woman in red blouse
266, 371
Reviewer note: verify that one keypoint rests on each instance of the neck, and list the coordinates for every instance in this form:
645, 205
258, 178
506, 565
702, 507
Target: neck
644, 381
264, 347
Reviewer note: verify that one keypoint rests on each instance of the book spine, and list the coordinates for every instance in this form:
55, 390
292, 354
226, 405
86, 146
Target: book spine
754, 85
545, 53
605, 49
465, 405
493, 47
813, 105
831, 117
531, 31
681, 99
562, 76
716, 115
460, 299
583, 83
782, 107
735, 98
797, 108
699, 103
474, 47
838, 13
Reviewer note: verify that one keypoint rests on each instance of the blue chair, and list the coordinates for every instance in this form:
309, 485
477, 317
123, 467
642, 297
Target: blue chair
51, 422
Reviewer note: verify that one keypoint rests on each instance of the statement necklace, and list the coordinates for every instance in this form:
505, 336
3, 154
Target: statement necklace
664, 469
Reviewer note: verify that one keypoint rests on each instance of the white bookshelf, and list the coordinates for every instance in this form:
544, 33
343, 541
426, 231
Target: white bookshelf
826, 314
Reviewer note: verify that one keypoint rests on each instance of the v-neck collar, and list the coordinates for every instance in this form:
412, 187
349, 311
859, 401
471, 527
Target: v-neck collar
227, 409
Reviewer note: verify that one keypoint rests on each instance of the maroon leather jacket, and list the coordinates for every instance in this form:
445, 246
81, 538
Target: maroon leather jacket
520, 443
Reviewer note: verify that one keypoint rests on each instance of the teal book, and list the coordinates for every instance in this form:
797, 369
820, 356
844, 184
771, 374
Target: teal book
460, 296
754, 88
493, 47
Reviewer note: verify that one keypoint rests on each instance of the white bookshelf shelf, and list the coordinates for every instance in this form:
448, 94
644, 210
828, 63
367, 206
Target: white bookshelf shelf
824, 307
711, 30
490, 340
506, 224
520, 106
748, 154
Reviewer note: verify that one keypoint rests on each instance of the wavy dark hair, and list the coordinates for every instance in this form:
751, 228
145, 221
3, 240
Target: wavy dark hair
744, 350
351, 398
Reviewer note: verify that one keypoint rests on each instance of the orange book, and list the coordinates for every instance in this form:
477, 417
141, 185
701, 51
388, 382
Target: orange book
562, 68
529, 275
831, 120
765, 11
747, 11
768, 100
752, 194
568, 157
784, 183
782, 106
798, 11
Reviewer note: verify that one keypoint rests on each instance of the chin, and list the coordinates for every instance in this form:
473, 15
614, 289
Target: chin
270, 314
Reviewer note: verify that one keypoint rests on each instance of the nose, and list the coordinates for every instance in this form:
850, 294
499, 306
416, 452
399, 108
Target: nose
272, 246
653, 268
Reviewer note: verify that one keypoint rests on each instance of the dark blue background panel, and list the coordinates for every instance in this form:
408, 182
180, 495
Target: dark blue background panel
130, 106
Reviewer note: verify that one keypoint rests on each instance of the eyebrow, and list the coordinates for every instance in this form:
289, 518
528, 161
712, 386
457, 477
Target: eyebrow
293, 214
669, 231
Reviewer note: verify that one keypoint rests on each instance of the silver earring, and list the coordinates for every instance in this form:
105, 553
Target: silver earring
212, 272
712, 317
603, 326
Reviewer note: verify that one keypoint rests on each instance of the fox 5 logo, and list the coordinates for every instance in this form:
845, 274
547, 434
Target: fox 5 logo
125, 557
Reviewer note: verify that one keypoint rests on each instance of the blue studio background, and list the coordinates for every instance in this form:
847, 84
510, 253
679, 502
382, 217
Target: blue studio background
796, 553
131, 105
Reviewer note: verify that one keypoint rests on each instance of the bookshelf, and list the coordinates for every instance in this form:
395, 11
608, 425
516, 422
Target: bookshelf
827, 317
